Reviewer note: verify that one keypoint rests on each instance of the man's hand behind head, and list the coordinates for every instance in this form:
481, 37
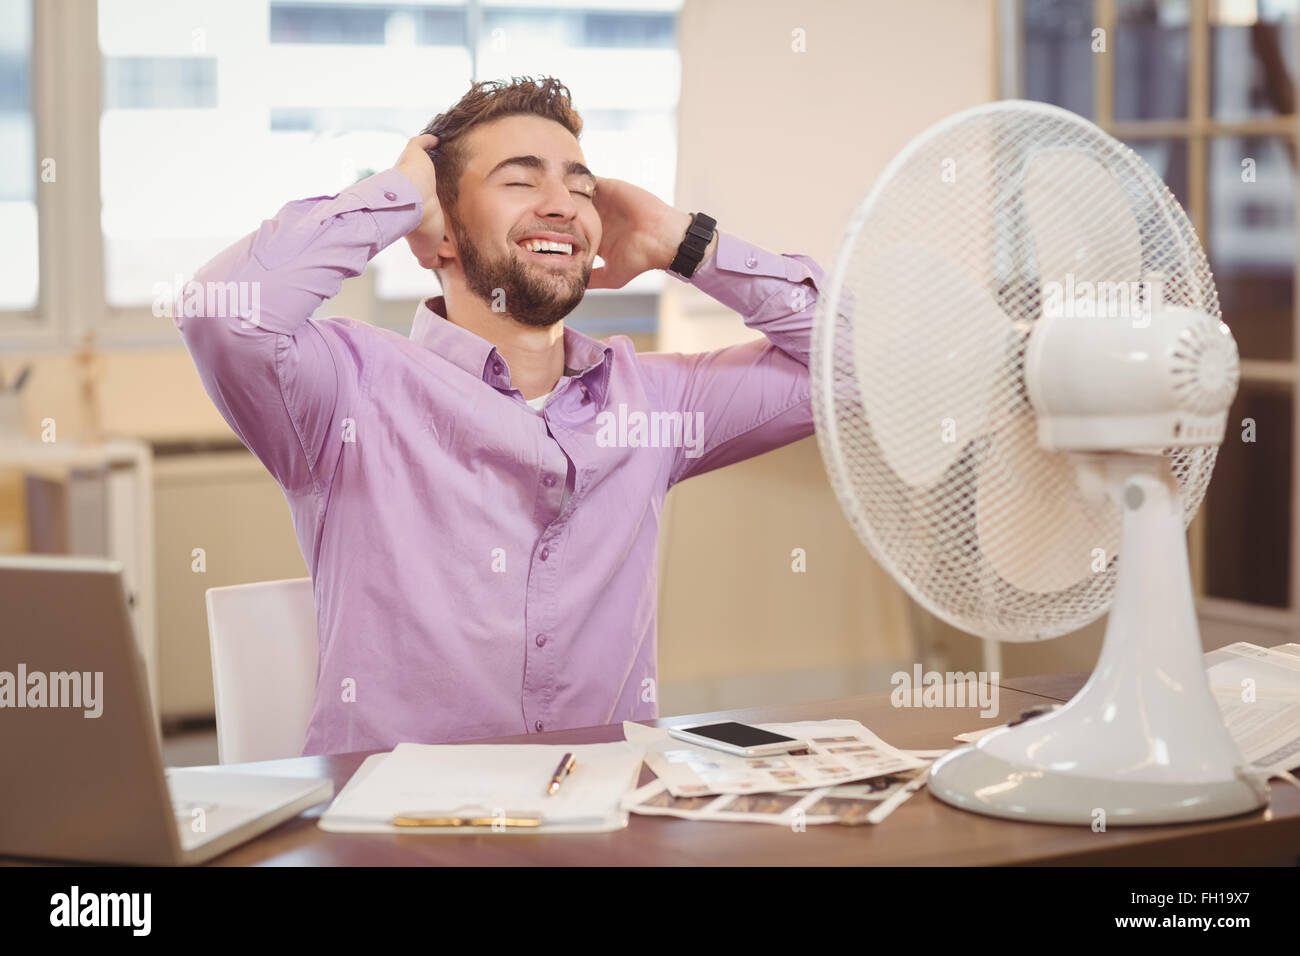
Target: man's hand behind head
416, 165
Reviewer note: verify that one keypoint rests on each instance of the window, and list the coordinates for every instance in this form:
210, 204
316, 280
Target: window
160, 82
212, 119
208, 127
19, 169
374, 24
1057, 54
622, 67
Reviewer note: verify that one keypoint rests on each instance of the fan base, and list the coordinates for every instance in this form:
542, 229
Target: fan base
973, 780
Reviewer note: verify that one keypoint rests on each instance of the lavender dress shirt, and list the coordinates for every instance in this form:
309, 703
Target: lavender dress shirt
479, 568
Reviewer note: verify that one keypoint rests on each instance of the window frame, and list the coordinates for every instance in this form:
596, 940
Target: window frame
60, 30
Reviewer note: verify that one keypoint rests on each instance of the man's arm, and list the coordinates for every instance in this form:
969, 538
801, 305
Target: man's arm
753, 397
281, 380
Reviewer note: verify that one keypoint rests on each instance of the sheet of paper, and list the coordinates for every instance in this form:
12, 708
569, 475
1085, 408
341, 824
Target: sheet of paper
489, 780
836, 752
850, 804
1258, 692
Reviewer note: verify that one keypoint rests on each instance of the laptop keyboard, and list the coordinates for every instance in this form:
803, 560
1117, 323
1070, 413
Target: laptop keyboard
207, 806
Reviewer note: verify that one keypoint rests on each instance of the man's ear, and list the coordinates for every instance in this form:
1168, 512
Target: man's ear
446, 253
448, 243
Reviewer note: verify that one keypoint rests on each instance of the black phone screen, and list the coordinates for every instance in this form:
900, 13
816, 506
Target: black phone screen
740, 735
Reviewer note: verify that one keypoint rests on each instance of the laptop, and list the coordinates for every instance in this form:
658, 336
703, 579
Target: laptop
80, 757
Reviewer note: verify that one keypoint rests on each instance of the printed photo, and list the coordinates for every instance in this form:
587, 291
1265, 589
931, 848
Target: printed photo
667, 800
773, 803
851, 812
876, 788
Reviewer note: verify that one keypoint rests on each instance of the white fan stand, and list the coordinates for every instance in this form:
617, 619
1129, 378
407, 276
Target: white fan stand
1143, 741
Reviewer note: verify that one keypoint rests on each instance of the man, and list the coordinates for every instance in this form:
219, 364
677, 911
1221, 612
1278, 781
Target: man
479, 504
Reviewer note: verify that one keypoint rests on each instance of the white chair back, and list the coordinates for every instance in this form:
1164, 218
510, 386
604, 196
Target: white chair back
264, 655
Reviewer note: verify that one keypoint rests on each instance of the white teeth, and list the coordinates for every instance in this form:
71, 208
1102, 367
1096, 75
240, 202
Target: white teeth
537, 245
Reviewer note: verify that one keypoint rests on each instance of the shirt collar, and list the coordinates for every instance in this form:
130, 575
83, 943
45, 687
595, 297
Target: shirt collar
588, 359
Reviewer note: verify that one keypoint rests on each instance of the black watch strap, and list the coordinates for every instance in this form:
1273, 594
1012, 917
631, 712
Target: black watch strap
698, 236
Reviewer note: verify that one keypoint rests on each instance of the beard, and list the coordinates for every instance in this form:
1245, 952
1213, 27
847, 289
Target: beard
533, 295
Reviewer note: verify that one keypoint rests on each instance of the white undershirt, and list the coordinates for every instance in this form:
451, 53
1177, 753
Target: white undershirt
539, 401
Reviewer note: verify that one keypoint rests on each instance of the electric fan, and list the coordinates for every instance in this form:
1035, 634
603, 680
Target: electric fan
1020, 381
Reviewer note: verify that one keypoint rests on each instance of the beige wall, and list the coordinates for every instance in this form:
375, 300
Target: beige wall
780, 146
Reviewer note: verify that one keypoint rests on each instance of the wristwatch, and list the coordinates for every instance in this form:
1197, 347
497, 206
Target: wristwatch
698, 236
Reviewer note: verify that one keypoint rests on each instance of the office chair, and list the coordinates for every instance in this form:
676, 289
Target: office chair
264, 656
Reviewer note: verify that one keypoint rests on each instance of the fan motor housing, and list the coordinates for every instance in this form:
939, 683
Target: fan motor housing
1114, 383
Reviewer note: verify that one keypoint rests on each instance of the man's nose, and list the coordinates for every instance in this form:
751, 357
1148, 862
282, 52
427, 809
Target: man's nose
557, 200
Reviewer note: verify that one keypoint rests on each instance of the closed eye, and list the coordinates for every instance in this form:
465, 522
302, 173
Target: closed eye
577, 192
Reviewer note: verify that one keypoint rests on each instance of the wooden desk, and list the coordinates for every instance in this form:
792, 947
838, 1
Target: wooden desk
923, 831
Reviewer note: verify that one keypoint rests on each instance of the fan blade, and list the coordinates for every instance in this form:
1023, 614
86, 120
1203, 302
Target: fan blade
927, 359
1036, 528
1082, 223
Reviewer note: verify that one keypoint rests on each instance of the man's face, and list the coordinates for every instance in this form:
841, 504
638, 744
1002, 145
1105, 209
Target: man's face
526, 177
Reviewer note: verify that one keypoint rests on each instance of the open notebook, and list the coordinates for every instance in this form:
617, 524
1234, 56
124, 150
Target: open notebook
500, 781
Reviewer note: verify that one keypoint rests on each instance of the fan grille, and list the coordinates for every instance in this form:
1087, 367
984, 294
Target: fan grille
918, 383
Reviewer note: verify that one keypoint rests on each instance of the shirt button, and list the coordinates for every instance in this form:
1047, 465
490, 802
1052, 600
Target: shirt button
751, 260
541, 640
538, 725
546, 553
496, 367
390, 196
549, 481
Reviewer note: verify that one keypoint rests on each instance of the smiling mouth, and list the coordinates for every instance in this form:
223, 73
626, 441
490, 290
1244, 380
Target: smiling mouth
559, 257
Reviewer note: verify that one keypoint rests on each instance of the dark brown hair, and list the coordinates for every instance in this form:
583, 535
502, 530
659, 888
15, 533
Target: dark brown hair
486, 101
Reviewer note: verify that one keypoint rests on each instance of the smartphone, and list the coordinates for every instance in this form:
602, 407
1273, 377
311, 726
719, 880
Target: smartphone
740, 739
